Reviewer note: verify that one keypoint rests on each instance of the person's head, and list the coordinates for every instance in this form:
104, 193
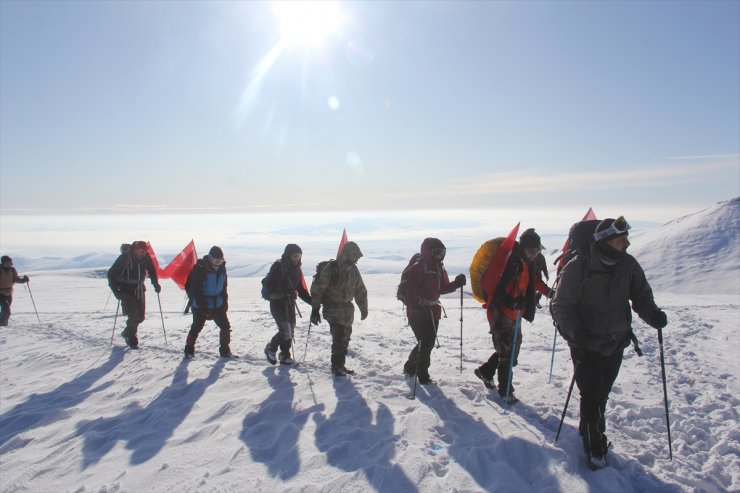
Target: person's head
432, 249
216, 257
293, 253
612, 233
530, 244
7, 261
350, 252
139, 250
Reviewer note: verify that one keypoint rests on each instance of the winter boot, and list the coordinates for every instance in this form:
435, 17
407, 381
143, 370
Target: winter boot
285, 359
189, 351
488, 382
338, 371
225, 352
270, 354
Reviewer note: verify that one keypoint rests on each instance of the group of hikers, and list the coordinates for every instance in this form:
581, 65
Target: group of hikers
591, 304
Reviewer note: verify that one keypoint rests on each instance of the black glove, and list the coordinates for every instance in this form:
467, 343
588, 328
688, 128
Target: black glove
26, 279
116, 293
315, 316
363, 315
157, 288
660, 319
460, 280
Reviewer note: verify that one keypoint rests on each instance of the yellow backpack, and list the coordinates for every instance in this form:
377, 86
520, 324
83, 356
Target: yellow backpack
479, 265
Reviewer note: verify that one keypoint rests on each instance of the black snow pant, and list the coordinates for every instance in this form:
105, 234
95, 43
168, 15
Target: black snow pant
595, 375
340, 336
135, 309
5, 302
424, 326
283, 311
222, 322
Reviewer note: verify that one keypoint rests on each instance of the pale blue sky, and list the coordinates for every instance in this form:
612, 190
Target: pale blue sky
407, 105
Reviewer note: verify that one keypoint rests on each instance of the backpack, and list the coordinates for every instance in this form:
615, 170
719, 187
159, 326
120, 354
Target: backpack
580, 239
479, 265
320, 266
403, 286
264, 291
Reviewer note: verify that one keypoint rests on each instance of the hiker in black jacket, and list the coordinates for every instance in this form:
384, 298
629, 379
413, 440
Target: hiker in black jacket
592, 310
283, 283
126, 279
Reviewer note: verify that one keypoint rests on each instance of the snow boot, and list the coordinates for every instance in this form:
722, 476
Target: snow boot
488, 382
270, 354
189, 351
285, 359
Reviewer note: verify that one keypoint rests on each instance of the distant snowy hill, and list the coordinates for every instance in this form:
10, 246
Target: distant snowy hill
695, 254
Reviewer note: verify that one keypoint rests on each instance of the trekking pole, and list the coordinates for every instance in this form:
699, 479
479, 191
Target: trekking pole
305, 349
162, 317
436, 325
115, 319
511, 358
461, 328
34, 303
106, 301
567, 399
295, 303
552, 358
665, 394
416, 373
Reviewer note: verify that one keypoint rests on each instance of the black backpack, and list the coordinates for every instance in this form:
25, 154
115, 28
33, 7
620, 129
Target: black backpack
404, 284
580, 239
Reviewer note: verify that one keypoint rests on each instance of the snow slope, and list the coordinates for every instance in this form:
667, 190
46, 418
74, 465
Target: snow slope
79, 415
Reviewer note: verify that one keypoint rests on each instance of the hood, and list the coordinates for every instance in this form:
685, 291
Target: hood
427, 246
350, 252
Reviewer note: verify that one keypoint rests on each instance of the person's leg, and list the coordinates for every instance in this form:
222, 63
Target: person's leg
340, 335
423, 325
5, 302
199, 320
224, 335
503, 334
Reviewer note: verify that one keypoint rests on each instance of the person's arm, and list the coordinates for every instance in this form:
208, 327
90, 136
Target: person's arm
361, 295
643, 302
564, 303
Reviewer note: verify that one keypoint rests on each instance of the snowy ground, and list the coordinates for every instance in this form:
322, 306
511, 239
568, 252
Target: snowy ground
77, 415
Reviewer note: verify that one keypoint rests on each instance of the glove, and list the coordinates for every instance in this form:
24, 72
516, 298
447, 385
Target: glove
363, 315
660, 320
157, 288
315, 316
26, 279
460, 280
116, 293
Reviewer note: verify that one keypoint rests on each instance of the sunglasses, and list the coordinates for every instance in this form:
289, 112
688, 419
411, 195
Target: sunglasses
439, 252
618, 227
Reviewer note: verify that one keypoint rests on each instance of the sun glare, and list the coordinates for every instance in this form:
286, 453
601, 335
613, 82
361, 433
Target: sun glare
307, 22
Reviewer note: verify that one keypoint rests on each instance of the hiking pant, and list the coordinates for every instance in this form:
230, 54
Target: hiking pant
502, 334
340, 336
221, 320
283, 311
5, 301
424, 326
595, 375
135, 310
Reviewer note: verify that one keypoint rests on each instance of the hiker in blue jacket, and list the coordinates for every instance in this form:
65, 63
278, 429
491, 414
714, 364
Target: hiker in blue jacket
206, 287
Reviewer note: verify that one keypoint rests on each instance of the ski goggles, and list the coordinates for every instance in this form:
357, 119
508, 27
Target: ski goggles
617, 228
439, 252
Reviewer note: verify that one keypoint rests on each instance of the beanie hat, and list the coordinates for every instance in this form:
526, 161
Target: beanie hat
290, 249
216, 252
610, 228
529, 239
5, 258
138, 245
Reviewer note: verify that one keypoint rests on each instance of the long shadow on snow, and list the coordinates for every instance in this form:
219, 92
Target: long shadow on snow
44, 408
624, 473
146, 429
271, 433
351, 442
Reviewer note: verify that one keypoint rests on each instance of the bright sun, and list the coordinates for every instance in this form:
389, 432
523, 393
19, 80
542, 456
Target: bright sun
307, 22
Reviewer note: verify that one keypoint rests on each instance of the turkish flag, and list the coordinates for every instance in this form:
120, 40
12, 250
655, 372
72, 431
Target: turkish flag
179, 268
342, 242
153, 256
496, 266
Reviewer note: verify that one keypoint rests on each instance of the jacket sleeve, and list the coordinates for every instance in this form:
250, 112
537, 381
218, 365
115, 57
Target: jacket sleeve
641, 295
564, 304
445, 286
151, 271
224, 291
360, 292
16, 277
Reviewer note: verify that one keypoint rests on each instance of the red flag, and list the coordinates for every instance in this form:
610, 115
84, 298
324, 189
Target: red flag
151, 253
342, 242
496, 266
179, 268
590, 215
